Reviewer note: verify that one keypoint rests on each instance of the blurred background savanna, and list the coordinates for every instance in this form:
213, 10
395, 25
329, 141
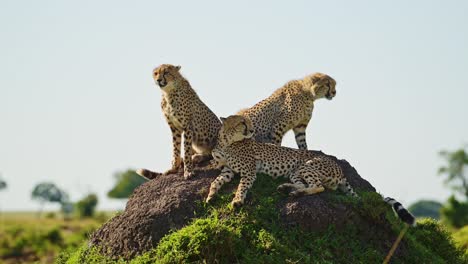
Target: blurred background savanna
79, 110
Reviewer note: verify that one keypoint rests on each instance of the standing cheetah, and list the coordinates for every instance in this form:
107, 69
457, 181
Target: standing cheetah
289, 107
185, 113
309, 173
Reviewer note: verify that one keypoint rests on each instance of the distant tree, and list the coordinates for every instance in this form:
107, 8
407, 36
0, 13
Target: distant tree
87, 206
3, 184
455, 213
67, 209
426, 208
127, 181
455, 170
48, 192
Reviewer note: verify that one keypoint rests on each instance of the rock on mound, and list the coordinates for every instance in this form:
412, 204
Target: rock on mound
169, 202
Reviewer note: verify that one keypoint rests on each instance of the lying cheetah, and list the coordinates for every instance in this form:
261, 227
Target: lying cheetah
289, 107
309, 173
185, 113
238, 152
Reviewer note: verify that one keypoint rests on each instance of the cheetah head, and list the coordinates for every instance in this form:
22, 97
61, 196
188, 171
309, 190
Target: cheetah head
165, 75
235, 128
321, 85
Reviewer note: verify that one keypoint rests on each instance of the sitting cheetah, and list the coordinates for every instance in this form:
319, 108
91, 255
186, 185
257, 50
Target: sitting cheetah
309, 173
289, 107
185, 113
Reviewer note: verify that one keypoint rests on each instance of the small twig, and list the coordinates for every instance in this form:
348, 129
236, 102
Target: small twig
395, 245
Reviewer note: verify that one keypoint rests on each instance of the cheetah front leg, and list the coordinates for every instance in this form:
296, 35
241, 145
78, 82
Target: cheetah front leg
277, 134
176, 143
225, 176
300, 135
248, 177
188, 152
300, 131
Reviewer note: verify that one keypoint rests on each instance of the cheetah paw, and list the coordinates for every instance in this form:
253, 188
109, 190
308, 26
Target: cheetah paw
209, 199
296, 193
188, 175
173, 170
236, 203
286, 188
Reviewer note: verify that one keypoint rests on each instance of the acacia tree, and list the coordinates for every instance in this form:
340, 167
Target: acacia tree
127, 181
455, 170
87, 206
455, 212
48, 192
3, 184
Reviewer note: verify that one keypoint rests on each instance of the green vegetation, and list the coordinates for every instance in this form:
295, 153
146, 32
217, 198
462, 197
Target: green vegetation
86, 206
127, 181
24, 238
426, 208
455, 170
461, 238
455, 213
254, 234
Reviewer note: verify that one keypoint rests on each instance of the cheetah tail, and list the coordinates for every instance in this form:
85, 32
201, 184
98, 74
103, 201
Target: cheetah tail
147, 174
401, 211
347, 189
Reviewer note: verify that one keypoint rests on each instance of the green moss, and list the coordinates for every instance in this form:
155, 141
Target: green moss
85, 255
434, 239
254, 234
205, 239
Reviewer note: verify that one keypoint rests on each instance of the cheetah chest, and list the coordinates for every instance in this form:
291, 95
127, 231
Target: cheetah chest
174, 114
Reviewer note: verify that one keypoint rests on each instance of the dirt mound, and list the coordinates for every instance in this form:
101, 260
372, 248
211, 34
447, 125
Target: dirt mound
169, 202
154, 208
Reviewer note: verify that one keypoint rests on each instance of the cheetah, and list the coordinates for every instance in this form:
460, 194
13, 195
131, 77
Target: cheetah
185, 113
309, 173
289, 107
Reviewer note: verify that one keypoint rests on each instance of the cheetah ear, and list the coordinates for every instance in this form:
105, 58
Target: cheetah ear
324, 79
178, 67
223, 119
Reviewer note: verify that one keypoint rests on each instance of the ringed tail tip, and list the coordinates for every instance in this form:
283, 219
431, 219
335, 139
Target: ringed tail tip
401, 211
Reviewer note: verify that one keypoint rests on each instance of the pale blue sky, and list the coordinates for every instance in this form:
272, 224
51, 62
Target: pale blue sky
77, 101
